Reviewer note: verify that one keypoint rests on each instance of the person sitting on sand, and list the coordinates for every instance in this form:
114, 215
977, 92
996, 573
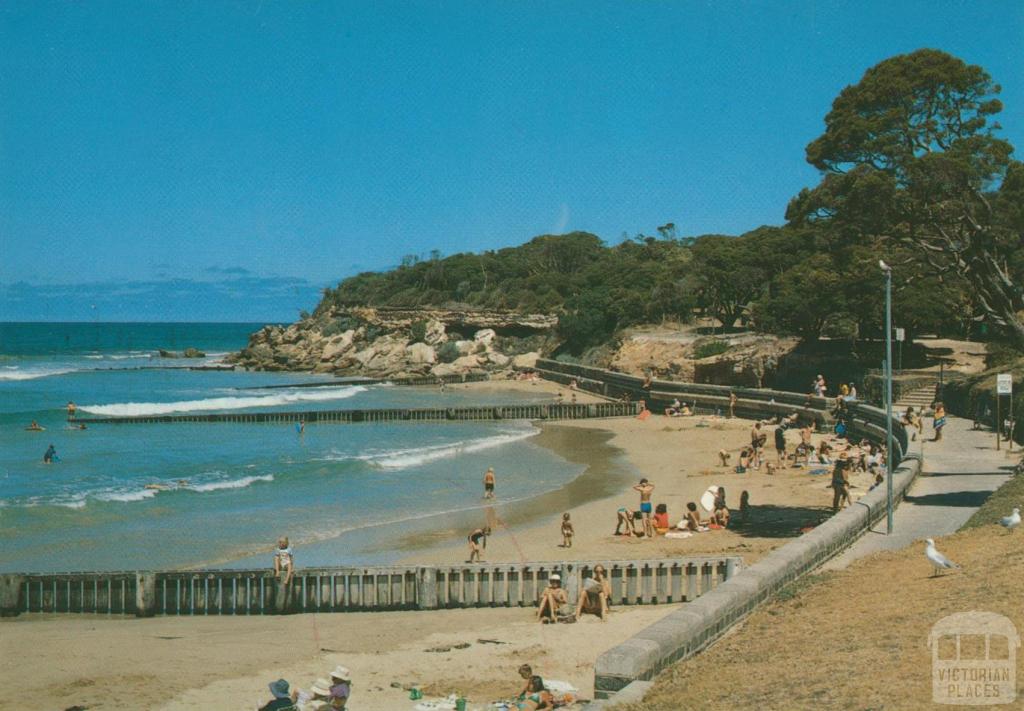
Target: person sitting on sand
686, 411
720, 515
645, 488
675, 409
284, 561
661, 524
526, 671
478, 544
693, 522
553, 601
724, 457
594, 595
567, 531
318, 698
537, 697
283, 698
744, 462
824, 453
341, 689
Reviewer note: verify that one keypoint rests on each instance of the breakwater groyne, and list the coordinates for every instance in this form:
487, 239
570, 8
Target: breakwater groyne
565, 411
354, 589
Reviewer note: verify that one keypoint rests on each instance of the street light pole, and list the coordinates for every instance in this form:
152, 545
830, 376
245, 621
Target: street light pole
888, 395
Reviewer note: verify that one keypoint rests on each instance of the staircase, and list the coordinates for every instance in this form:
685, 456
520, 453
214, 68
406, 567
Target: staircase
920, 398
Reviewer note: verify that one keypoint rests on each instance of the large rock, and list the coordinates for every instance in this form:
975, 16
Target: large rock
469, 362
499, 360
465, 347
338, 345
420, 354
443, 369
485, 336
526, 360
435, 334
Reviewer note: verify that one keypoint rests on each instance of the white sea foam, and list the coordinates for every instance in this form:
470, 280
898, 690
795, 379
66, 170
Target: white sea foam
127, 496
131, 409
33, 374
230, 484
407, 458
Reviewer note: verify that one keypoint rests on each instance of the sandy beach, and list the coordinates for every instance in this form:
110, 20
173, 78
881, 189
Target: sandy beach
188, 663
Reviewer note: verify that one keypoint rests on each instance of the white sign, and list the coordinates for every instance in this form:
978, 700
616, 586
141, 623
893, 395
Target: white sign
1004, 384
900, 333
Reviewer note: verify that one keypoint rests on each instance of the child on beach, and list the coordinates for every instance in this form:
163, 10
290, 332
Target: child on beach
567, 531
284, 562
724, 457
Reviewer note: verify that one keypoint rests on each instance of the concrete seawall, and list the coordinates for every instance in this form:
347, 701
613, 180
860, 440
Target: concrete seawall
687, 631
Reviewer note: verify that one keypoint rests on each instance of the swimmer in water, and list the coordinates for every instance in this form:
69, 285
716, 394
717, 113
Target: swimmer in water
35, 427
51, 455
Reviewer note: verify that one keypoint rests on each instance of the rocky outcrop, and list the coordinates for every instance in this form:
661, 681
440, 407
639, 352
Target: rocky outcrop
400, 342
744, 359
187, 353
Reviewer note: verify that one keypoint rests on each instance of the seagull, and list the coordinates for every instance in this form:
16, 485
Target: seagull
1012, 521
939, 561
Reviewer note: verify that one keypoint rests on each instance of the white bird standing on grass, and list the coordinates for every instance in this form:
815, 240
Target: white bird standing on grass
1012, 521
939, 561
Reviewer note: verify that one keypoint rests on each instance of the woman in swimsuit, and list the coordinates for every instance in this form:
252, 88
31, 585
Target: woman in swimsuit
478, 544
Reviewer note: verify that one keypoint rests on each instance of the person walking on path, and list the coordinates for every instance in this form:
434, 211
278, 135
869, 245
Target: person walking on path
939, 420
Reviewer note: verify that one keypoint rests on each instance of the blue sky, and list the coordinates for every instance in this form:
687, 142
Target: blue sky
241, 145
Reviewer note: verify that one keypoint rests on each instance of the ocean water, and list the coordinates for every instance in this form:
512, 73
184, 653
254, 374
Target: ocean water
342, 493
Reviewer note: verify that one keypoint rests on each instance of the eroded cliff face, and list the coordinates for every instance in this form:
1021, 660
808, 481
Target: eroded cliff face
401, 342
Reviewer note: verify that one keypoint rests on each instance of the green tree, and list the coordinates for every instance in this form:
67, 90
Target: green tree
910, 159
731, 275
803, 299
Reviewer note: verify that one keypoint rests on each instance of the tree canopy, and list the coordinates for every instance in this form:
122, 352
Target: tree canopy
912, 165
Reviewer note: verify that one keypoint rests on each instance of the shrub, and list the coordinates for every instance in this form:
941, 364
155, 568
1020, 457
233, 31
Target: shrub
710, 348
418, 331
448, 352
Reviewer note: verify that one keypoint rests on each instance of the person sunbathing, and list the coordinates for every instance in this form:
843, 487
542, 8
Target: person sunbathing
553, 601
594, 595
693, 522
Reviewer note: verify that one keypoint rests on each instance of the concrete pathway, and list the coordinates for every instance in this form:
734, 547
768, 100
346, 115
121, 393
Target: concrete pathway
960, 472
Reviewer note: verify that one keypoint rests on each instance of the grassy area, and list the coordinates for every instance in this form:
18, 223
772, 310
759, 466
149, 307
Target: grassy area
851, 639
1000, 504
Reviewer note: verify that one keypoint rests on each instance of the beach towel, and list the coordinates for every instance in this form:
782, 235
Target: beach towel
678, 534
817, 472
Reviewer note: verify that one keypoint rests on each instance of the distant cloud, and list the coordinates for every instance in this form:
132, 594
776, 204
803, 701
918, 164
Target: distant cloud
238, 296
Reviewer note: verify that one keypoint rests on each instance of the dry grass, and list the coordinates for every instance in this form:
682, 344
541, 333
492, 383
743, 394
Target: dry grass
853, 639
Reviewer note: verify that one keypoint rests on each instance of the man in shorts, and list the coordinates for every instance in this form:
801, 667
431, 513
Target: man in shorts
645, 488
780, 444
489, 483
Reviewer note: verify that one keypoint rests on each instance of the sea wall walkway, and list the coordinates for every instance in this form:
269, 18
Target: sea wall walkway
686, 631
